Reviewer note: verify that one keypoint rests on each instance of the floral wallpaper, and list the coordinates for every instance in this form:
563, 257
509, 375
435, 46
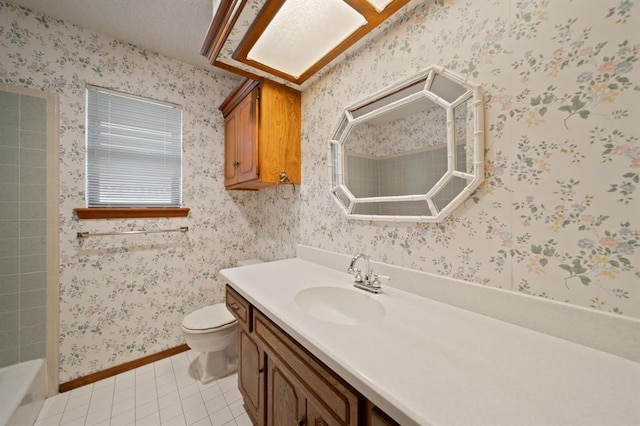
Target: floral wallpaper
558, 215
122, 298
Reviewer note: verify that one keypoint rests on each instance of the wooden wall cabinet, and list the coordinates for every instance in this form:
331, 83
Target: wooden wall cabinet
262, 134
283, 384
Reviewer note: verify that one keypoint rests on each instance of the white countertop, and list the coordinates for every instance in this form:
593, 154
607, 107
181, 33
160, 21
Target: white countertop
428, 363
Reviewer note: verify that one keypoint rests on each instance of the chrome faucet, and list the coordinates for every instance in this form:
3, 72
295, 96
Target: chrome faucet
370, 281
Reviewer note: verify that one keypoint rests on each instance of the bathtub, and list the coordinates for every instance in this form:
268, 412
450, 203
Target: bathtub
22, 392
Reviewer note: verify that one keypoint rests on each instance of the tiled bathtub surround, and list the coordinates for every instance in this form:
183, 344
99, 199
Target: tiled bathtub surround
23, 236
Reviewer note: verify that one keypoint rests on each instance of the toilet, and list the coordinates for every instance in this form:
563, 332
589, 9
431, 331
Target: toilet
213, 332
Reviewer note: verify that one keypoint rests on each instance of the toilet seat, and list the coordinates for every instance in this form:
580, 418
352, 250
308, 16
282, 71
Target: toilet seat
208, 318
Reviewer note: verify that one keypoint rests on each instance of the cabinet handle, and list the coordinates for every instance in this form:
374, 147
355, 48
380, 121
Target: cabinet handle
234, 306
260, 370
300, 423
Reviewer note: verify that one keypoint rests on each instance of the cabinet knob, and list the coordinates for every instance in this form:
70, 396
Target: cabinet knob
301, 423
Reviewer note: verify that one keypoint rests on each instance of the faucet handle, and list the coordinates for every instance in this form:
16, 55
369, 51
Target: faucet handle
375, 282
358, 278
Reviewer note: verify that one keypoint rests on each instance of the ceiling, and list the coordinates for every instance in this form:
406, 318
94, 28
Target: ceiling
175, 28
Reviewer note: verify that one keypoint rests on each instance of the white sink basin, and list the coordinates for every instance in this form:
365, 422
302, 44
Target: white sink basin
340, 305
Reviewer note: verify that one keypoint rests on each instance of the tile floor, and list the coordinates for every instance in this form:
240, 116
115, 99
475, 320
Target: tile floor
162, 393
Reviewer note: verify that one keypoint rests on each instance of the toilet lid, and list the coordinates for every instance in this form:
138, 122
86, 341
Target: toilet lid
213, 316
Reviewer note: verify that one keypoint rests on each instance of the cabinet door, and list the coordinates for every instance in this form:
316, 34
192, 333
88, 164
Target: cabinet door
247, 144
230, 143
286, 404
315, 416
251, 375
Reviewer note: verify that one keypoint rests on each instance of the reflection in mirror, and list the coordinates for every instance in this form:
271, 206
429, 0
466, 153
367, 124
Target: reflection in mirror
447, 89
447, 193
411, 152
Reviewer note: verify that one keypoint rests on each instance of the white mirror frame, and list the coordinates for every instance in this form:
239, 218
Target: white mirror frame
347, 122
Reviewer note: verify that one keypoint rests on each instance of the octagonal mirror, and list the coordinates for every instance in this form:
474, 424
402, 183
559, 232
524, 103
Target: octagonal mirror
412, 152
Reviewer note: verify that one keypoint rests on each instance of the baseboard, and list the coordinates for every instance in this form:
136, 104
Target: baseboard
104, 374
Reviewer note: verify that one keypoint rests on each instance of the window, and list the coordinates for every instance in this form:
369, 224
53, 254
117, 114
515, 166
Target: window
134, 151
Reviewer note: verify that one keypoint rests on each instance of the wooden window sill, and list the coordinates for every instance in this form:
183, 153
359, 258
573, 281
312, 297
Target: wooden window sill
130, 213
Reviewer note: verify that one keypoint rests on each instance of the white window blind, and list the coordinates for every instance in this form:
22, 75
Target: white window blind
134, 151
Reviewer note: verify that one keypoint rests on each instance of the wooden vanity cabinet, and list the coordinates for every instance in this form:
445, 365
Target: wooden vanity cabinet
283, 384
300, 386
251, 360
262, 134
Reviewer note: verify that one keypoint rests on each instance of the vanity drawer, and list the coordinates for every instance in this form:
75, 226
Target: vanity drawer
240, 308
332, 397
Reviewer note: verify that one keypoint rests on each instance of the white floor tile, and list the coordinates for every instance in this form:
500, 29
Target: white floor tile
77, 422
78, 400
166, 388
211, 392
192, 402
145, 410
169, 399
144, 369
124, 395
53, 406
232, 396
124, 418
74, 413
216, 404
100, 404
95, 417
244, 420
203, 422
169, 412
237, 408
123, 406
176, 421
52, 420
195, 414
145, 397
188, 391
220, 417
110, 381
150, 420
168, 379
103, 392
227, 385
163, 393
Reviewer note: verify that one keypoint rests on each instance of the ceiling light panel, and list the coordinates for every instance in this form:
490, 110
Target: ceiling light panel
304, 31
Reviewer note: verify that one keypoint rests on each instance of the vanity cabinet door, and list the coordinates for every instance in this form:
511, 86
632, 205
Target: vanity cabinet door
315, 416
286, 404
328, 400
289, 402
251, 376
